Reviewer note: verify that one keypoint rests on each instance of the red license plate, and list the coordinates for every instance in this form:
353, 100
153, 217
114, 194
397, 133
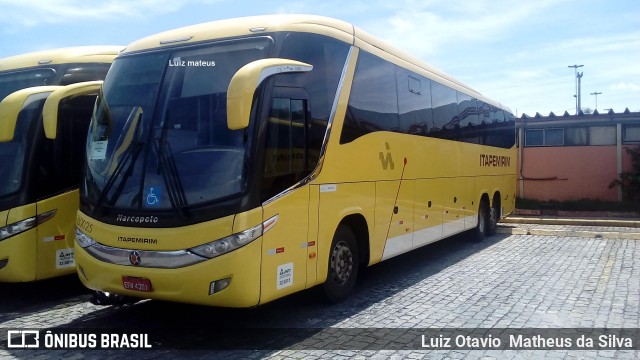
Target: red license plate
136, 284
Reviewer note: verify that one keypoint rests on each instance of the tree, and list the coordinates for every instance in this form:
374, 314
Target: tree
587, 110
629, 181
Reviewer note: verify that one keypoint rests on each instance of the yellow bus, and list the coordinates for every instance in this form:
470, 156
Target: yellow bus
41, 163
234, 162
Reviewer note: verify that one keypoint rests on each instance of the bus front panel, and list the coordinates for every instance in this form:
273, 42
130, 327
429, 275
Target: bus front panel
17, 252
176, 273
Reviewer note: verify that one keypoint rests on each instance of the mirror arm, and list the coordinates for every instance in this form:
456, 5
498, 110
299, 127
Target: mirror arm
246, 80
15, 102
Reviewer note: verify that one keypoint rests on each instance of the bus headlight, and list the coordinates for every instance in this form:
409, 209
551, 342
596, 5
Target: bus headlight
228, 244
83, 239
26, 224
18, 227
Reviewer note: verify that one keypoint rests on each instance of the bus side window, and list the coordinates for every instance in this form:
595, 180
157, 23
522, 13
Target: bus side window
373, 102
414, 103
328, 56
61, 159
84, 72
286, 150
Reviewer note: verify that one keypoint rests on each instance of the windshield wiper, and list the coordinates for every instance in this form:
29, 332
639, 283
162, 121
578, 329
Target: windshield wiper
129, 155
170, 175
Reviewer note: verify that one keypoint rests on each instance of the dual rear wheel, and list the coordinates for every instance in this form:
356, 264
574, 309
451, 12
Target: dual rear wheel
487, 220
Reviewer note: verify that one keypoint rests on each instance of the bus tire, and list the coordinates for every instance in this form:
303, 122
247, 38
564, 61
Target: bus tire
480, 231
343, 265
107, 299
494, 215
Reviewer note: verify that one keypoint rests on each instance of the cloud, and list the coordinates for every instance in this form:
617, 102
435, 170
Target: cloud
19, 13
424, 27
625, 86
518, 53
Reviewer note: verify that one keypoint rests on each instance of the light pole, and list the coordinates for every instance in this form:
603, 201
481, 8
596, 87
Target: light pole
575, 69
580, 91
596, 94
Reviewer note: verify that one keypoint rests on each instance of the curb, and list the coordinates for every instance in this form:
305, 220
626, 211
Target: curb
502, 229
577, 214
505, 228
567, 221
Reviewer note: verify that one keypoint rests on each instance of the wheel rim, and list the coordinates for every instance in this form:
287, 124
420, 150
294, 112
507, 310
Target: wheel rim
341, 263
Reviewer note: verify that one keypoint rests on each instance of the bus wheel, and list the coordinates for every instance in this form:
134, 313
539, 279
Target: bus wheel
480, 231
492, 227
107, 298
343, 265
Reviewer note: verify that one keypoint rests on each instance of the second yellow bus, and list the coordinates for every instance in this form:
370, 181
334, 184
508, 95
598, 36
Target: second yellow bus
41, 162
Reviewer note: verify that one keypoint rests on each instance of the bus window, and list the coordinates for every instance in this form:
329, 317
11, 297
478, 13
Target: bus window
484, 112
467, 110
13, 154
327, 56
84, 72
59, 159
414, 103
468, 116
286, 155
444, 112
373, 104
14, 81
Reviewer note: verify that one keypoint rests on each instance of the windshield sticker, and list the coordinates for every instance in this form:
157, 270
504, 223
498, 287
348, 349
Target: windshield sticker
285, 276
153, 196
98, 150
64, 258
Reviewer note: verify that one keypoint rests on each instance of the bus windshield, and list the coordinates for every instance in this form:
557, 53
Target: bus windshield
18, 80
13, 153
158, 139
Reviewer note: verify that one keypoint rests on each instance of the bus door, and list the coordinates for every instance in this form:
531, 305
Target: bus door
55, 235
286, 208
57, 167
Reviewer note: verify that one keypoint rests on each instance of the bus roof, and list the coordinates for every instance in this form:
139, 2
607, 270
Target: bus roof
79, 54
255, 25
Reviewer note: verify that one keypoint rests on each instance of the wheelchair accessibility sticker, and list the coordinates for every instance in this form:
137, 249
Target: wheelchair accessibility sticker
153, 196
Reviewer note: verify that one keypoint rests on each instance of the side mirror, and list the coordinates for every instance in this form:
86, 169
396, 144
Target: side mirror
50, 110
13, 103
245, 82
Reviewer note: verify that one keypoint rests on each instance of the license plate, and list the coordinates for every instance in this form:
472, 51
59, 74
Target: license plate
136, 284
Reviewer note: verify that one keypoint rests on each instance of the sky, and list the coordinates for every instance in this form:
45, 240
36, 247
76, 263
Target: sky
513, 51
